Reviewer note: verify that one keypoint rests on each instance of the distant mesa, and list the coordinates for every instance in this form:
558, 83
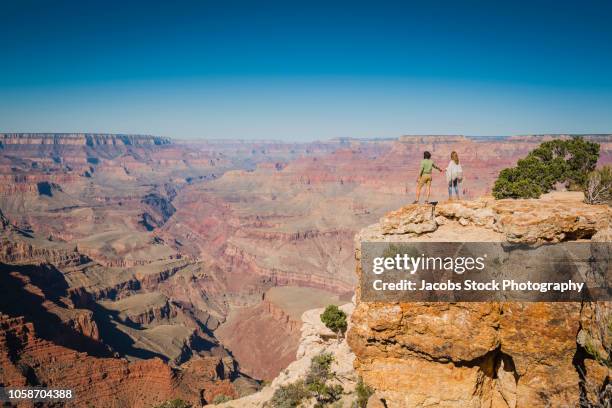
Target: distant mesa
432, 138
87, 139
535, 138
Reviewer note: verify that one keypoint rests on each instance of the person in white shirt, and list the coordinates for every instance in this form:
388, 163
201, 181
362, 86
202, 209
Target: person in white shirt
454, 175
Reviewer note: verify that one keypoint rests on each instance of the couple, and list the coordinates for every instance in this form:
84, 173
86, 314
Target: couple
454, 175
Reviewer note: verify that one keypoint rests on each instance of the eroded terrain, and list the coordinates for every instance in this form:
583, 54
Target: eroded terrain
141, 257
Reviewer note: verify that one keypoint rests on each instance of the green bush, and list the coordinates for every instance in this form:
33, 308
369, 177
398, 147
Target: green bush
175, 403
364, 392
290, 395
316, 380
598, 188
219, 399
320, 367
314, 386
326, 394
567, 161
334, 319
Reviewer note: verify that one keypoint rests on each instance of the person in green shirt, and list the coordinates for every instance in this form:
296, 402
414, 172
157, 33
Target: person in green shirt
427, 166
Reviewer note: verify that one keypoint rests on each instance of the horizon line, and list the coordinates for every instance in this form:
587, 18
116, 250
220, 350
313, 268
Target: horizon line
332, 139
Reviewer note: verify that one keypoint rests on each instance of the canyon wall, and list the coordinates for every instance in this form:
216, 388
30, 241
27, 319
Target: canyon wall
314, 339
157, 244
54, 331
487, 354
91, 298
272, 327
81, 139
26, 359
261, 333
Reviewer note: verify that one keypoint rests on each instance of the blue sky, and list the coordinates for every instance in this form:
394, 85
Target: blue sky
306, 70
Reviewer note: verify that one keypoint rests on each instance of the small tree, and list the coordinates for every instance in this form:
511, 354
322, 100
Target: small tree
320, 368
320, 383
598, 188
567, 161
334, 319
317, 380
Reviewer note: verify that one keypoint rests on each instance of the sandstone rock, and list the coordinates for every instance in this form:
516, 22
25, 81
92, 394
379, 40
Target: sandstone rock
483, 354
594, 335
597, 378
375, 401
554, 218
273, 338
412, 219
604, 235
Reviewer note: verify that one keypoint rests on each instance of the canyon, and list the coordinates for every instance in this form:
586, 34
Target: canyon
129, 260
468, 354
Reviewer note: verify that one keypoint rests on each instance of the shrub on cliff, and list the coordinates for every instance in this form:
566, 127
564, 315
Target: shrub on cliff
221, 398
325, 394
318, 384
290, 395
334, 319
566, 161
598, 188
317, 380
364, 392
320, 368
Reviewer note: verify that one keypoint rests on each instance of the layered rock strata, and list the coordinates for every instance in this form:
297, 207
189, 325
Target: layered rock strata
487, 354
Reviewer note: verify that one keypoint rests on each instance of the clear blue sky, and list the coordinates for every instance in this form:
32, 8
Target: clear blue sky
304, 70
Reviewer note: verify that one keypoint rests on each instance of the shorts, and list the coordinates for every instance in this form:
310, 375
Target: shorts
425, 179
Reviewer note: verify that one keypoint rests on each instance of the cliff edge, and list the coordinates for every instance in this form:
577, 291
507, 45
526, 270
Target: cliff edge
315, 339
487, 354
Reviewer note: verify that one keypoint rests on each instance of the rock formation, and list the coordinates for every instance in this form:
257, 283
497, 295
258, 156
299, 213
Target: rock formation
28, 360
486, 354
116, 337
273, 327
155, 246
315, 339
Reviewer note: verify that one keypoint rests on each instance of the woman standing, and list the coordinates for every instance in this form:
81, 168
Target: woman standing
454, 175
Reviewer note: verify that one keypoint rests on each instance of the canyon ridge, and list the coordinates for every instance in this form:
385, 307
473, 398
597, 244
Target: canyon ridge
186, 266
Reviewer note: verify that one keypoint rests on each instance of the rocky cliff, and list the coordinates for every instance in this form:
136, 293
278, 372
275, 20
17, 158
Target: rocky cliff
164, 240
315, 339
492, 354
117, 337
27, 359
272, 327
